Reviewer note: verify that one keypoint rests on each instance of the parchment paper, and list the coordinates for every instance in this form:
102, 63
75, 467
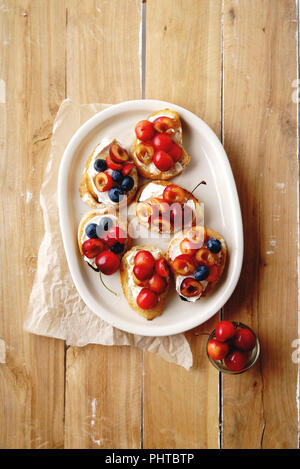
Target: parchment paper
55, 308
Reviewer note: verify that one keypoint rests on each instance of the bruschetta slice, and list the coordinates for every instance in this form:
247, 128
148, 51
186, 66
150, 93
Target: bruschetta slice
110, 177
157, 149
197, 258
100, 230
145, 279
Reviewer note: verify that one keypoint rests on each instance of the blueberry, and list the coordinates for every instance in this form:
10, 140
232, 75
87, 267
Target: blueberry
104, 225
117, 176
127, 183
214, 245
201, 273
117, 248
91, 230
115, 194
100, 165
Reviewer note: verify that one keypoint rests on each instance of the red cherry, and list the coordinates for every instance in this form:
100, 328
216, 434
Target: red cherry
236, 360
163, 161
162, 142
187, 216
144, 152
149, 142
146, 299
107, 262
224, 330
244, 340
144, 258
162, 267
198, 234
190, 287
145, 211
127, 169
162, 223
217, 350
174, 193
154, 211
92, 247
163, 124
176, 214
175, 151
118, 154
214, 273
103, 182
204, 256
184, 264
117, 234
187, 246
108, 240
140, 283
157, 283
113, 235
144, 130
112, 164
142, 272
161, 204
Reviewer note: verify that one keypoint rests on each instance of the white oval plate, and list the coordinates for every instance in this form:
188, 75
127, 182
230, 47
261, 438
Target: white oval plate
222, 213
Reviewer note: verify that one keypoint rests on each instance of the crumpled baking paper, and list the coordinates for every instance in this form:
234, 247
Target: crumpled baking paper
55, 308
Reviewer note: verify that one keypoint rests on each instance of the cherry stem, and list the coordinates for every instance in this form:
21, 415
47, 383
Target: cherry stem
111, 291
202, 182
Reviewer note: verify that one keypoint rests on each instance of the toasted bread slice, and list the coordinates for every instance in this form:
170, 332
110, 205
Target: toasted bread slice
155, 189
150, 171
220, 259
131, 290
88, 191
94, 216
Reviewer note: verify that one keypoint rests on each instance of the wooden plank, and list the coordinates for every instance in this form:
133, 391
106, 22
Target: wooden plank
103, 62
260, 131
183, 64
31, 88
103, 384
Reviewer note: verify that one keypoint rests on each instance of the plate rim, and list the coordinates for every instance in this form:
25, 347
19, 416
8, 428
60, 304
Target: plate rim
74, 142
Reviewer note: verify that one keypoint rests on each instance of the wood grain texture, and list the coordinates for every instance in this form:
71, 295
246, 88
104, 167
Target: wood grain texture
103, 384
260, 132
103, 62
183, 63
103, 397
183, 55
32, 85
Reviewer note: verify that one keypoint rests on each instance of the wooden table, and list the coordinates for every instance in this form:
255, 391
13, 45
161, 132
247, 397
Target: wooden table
233, 63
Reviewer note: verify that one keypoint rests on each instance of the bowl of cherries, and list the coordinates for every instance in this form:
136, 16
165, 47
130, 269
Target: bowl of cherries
232, 347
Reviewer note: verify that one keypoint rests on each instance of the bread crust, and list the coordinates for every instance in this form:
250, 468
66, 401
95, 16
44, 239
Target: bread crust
87, 193
211, 234
144, 169
126, 272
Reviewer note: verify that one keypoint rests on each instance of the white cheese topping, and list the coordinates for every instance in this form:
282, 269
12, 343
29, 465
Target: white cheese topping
151, 190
